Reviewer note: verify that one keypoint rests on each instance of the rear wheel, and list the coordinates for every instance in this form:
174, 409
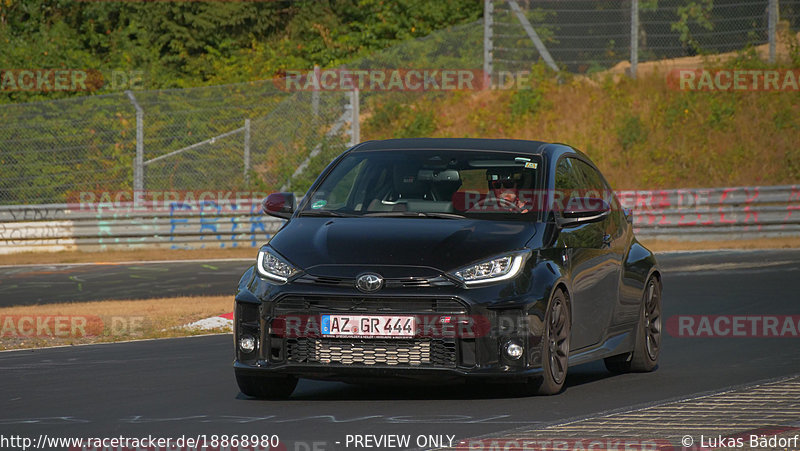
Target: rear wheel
266, 387
555, 349
647, 345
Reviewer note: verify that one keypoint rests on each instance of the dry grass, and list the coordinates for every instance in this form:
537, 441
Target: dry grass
687, 139
108, 321
783, 53
643, 134
125, 256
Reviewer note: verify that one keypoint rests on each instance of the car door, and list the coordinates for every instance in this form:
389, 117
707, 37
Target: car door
620, 233
616, 237
594, 259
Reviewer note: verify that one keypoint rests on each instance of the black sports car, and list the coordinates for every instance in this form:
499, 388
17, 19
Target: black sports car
448, 258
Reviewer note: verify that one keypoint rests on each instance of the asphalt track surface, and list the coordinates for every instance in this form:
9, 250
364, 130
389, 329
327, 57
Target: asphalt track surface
47, 284
169, 388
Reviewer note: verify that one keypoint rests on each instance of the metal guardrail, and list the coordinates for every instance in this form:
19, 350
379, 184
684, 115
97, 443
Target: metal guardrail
684, 214
715, 213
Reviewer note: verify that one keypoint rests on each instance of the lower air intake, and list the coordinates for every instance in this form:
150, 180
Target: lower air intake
414, 353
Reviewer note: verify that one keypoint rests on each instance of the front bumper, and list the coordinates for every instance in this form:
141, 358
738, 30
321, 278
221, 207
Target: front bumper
261, 311
382, 373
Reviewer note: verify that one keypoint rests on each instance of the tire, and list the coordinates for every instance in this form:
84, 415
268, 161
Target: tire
555, 345
266, 387
647, 344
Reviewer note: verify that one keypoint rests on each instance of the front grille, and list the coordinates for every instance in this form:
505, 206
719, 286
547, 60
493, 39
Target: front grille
315, 305
406, 282
415, 353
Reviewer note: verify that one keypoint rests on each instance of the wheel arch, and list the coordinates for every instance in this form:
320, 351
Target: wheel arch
655, 272
547, 276
562, 285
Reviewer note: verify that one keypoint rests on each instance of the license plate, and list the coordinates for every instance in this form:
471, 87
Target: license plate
368, 326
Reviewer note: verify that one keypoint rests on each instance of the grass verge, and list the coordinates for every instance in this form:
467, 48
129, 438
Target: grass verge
37, 326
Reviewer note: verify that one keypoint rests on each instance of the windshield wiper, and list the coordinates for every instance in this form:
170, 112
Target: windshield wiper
325, 213
443, 215
415, 214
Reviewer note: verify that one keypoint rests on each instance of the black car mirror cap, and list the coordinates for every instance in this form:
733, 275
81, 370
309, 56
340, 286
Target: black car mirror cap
583, 210
279, 205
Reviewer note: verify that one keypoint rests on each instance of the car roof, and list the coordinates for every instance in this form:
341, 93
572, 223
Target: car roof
510, 145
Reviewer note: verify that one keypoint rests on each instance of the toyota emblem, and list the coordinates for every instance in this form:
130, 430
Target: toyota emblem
369, 282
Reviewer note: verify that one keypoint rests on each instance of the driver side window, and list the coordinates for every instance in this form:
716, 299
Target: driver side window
569, 181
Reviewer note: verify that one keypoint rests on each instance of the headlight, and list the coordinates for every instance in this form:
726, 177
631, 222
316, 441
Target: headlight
274, 267
493, 270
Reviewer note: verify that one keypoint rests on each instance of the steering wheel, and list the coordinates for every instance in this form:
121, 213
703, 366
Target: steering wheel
495, 203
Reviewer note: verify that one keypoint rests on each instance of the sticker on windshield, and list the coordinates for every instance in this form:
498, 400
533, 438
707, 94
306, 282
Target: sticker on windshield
319, 204
530, 165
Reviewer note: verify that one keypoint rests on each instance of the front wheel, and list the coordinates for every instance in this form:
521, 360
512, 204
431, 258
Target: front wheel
266, 387
555, 349
647, 345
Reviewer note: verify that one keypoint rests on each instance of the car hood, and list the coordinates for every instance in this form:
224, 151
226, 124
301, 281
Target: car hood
443, 244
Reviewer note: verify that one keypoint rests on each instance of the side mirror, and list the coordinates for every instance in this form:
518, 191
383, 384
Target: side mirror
280, 205
582, 210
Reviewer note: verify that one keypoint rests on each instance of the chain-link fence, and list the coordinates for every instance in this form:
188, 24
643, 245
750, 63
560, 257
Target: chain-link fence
236, 137
586, 36
51, 149
249, 136
256, 136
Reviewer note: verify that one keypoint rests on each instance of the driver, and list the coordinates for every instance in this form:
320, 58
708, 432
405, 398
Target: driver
505, 187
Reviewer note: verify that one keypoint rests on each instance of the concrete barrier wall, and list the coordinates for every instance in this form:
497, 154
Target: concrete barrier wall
684, 214
184, 225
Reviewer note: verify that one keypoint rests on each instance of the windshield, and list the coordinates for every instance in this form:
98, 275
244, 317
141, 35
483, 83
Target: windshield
430, 183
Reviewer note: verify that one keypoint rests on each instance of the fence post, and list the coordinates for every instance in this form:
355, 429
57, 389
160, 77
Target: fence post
488, 16
534, 37
634, 37
246, 152
138, 161
773, 27
355, 127
315, 94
